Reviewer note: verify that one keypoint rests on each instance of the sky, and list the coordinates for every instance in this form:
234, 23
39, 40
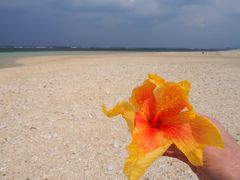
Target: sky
121, 23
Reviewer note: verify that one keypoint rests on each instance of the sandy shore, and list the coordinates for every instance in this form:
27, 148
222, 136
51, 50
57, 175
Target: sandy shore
51, 125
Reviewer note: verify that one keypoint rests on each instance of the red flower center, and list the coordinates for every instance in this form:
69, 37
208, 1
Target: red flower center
155, 122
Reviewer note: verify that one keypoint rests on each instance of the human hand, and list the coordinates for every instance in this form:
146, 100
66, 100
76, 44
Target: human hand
218, 163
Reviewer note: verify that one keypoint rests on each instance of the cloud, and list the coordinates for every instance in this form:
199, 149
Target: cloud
185, 2
88, 8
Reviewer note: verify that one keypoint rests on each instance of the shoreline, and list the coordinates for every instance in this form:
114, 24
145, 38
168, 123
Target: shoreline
24, 58
9, 59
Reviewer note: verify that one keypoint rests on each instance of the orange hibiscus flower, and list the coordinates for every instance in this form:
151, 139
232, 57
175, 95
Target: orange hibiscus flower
159, 114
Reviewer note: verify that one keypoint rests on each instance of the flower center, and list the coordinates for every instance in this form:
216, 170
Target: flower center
155, 122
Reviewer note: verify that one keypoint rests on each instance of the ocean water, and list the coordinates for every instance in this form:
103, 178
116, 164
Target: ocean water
7, 59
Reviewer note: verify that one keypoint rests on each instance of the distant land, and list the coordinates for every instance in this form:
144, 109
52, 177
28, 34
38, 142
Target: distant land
75, 48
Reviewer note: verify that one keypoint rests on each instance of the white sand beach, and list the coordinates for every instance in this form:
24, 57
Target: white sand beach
52, 127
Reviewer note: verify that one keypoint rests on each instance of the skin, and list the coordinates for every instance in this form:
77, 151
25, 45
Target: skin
219, 164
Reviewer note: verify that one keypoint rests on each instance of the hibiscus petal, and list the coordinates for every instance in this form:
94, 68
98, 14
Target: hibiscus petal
147, 137
148, 109
125, 109
141, 93
205, 132
138, 161
191, 133
202, 129
181, 118
182, 137
171, 99
194, 154
186, 87
155, 79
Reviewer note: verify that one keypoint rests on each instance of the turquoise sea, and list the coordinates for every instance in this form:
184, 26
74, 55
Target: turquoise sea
7, 59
